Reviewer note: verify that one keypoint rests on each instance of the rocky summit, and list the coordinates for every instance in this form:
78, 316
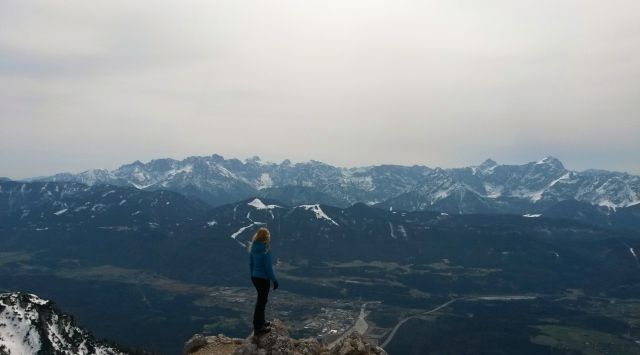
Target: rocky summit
278, 342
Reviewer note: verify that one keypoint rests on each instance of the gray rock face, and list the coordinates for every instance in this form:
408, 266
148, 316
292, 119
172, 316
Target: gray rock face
277, 342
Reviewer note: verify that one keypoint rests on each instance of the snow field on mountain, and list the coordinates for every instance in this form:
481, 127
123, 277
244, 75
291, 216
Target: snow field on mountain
319, 213
261, 206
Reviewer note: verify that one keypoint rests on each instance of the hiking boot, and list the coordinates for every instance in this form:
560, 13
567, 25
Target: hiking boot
261, 331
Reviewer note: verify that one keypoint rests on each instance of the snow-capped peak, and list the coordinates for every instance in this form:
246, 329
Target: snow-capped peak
552, 161
219, 181
258, 204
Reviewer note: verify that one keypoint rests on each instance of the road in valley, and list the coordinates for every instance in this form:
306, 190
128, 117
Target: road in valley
395, 329
477, 298
361, 325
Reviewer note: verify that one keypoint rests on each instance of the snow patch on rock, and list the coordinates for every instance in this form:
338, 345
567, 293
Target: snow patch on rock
30, 324
318, 212
261, 206
64, 210
264, 181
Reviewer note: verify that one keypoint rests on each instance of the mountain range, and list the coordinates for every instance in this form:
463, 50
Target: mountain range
107, 252
530, 188
166, 241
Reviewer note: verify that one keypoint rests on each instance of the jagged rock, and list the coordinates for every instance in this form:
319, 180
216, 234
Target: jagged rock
211, 345
196, 342
277, 342
355, 345
32, 325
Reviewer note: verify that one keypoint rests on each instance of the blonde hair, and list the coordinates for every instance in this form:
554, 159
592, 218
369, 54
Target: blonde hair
263, 236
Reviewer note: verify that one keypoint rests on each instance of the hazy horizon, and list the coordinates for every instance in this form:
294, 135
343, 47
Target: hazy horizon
437, 83
279, 161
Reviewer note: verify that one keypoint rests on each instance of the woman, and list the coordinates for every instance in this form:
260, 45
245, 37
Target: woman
261, 275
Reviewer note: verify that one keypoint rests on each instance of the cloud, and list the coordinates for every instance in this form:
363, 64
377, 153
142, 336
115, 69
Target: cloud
448, 83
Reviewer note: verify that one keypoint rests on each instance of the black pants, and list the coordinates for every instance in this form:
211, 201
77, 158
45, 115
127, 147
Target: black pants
262, 286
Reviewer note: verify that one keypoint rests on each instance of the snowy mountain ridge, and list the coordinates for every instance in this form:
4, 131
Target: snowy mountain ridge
41, 205
31, 325
488, 187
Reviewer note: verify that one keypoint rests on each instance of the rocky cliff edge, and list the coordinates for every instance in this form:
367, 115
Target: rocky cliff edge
277, 342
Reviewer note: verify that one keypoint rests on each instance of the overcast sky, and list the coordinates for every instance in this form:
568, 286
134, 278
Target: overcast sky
95, 84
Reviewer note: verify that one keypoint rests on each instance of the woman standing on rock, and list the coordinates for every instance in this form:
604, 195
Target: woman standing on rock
261, 275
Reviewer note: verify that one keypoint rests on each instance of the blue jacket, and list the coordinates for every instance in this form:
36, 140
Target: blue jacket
260, 262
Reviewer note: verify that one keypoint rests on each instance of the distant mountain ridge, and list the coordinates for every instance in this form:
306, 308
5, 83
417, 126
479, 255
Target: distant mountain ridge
41, 205
485, 188
527, 188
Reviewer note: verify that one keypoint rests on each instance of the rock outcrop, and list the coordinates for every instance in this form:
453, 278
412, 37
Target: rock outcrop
277, 342
32, 325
